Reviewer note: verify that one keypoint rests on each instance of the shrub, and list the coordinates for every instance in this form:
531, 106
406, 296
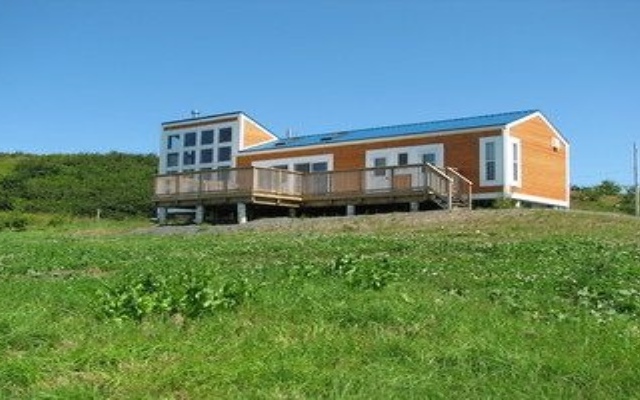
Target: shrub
13, 221
188, 295
363, 272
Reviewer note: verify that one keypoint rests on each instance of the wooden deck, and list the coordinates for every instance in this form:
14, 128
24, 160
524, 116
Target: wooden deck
408, 183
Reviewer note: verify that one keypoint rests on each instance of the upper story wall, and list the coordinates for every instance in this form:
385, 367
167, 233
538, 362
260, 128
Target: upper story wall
208, 143
545, 159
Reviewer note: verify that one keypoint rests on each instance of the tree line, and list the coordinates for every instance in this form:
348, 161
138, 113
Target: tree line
117, 185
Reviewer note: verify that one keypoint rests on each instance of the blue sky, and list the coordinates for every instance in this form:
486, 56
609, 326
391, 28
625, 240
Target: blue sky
101, 75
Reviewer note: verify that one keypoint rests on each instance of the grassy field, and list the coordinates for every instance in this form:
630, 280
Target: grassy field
487, 304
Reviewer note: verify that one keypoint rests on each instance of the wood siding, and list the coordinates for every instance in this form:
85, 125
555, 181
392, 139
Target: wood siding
254, 134
461, 151
544, 169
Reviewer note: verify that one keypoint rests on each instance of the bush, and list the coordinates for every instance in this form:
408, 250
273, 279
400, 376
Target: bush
13, 221
363, 272
188, 295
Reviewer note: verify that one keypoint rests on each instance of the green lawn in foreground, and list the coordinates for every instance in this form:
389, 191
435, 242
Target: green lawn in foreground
488, 304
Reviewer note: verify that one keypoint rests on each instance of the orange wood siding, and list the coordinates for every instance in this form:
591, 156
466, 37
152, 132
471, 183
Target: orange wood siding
461, 151
544, 170
254, 135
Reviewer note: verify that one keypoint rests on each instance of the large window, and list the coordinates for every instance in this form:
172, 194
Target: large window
225, 135
206, 156
224, 154
490, 161
189, 157
189, 139
206, 137
173, 159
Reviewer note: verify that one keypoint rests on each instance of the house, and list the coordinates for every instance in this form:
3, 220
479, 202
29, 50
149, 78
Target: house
229, 163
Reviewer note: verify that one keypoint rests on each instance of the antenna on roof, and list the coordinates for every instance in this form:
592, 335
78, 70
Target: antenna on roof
195, 113
289, 133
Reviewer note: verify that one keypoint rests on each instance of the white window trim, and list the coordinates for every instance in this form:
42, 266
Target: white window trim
289, 162
499, 153
511, 161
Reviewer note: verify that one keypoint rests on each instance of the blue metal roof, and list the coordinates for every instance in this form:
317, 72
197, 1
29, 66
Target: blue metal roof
482, 121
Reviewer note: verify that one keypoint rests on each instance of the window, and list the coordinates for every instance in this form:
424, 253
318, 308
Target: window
429, 158
206, 156
172, 160
490, 161
189, 157
403, 158
224, 154
283, 166
224, 135
320, 167
189, 139
304, 167
380, 163
516, 162
206, 137
173, 141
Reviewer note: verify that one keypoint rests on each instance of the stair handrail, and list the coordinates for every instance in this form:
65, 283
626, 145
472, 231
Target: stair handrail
460, 181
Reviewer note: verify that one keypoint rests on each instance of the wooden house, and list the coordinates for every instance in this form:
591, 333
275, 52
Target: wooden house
231, 163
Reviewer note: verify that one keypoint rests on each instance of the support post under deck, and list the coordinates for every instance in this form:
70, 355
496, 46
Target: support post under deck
351, 210
161, 213
242, 213
199, 217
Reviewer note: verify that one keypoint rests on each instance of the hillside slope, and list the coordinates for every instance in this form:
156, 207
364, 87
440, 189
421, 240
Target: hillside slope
490, 304
77, 184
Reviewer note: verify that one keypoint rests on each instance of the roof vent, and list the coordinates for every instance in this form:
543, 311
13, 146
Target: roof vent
195, 113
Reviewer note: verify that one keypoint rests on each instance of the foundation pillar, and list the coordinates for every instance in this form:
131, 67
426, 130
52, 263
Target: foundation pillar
414, 206
242, 213
161, 214
351, 210
199, 218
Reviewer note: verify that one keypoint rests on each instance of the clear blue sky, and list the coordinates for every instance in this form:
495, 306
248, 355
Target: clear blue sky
101, 75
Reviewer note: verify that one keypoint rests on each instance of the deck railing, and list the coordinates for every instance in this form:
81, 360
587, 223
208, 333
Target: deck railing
444, 185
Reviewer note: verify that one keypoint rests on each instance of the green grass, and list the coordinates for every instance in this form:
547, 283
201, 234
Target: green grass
489, 304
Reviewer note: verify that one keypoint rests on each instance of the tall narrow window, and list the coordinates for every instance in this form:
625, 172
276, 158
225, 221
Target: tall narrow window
490, 161
516, 162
